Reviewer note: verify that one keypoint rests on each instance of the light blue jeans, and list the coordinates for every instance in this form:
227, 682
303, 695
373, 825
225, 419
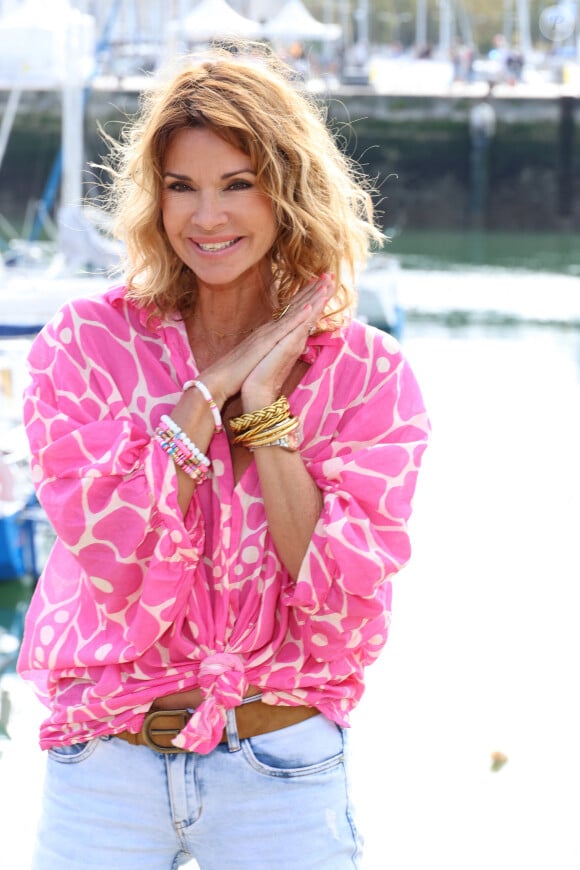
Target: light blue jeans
280, 803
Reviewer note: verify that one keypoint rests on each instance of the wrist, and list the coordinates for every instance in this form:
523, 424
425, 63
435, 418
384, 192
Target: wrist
254, 400
214, 388
208, 398
291, 441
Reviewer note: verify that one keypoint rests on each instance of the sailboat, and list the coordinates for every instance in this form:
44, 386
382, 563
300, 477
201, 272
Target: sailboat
52, 47
42, 47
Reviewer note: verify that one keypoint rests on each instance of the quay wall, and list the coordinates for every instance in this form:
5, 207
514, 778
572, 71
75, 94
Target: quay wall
429, 170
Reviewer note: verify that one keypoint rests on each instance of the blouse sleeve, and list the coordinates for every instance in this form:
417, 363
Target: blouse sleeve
107, 487
367, 472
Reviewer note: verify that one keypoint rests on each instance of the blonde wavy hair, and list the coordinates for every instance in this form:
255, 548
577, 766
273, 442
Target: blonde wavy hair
322, 201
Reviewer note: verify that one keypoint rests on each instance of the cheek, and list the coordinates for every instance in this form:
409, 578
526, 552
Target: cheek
169, 215
169, 227
268, 222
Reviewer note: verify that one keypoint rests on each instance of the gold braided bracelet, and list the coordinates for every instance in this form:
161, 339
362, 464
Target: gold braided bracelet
259, 428
257, 421
276, 412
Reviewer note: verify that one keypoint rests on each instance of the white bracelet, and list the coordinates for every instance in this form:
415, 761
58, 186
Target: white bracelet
170, 424
179, 435
210, 400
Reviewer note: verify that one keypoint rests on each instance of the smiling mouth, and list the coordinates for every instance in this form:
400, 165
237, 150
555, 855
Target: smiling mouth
211, 247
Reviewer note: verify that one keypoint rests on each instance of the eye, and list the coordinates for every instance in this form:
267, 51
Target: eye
240, 184
178, 186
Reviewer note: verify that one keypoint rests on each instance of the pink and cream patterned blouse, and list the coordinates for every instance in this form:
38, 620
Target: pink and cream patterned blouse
137, 601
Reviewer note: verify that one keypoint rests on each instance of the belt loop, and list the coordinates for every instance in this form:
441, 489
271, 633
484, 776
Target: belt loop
234, 744
251, 698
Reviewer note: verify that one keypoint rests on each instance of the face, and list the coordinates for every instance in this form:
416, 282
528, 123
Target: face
216, 219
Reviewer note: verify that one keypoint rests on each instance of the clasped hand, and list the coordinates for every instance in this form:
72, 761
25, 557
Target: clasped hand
260, 364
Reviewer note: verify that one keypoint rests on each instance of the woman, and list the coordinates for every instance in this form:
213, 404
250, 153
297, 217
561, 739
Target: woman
228, 460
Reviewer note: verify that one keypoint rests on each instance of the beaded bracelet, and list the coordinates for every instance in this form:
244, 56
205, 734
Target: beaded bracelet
179, 435
198, 473
182, 450
174, 446
193, 469
209, 399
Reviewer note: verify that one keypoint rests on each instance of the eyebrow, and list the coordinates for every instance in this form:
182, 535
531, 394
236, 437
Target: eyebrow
224, 177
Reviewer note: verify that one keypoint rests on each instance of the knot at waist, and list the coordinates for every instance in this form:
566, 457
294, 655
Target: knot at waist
222, 676
223, 684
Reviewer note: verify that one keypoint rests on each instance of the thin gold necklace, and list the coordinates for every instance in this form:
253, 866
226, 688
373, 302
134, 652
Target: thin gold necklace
230, 334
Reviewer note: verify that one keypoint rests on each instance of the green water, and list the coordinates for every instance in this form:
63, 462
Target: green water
541, 252
14, 595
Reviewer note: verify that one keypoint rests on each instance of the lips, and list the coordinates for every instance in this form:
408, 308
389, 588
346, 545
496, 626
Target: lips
215, 246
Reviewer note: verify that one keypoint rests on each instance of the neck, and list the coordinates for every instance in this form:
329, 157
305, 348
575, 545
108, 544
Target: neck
220, 319
236, 334
211, 337
228, 330
237, 306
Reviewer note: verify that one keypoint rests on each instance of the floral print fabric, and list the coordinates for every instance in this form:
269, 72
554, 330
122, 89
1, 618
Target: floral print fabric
137, 601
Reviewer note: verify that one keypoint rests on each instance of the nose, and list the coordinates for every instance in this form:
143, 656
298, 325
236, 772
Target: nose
209, 212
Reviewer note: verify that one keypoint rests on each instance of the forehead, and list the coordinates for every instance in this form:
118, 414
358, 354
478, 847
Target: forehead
197, 145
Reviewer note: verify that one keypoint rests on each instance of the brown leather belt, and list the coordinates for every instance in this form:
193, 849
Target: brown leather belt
161, 726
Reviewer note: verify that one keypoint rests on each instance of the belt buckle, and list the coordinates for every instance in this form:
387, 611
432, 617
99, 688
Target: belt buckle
149, 731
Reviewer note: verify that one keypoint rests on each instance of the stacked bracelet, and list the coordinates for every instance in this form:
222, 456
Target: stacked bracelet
274, 434
182, 450
209, 399
266, 427
248, 426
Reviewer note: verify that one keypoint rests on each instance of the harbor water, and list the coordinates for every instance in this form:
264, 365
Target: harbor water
484, 648
465, 746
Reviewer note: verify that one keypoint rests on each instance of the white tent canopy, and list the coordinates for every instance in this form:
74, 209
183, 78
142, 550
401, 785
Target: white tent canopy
294, 22
35, 41
214, 19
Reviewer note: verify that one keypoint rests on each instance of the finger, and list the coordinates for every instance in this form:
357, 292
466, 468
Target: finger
310, 302
306, 306
321, 287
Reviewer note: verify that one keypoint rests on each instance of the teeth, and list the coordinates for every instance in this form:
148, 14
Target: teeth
218, 246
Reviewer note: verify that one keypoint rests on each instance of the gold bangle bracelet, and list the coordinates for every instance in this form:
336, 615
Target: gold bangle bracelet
263, 427
278, 410
253, 434
259, 431
273, 434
